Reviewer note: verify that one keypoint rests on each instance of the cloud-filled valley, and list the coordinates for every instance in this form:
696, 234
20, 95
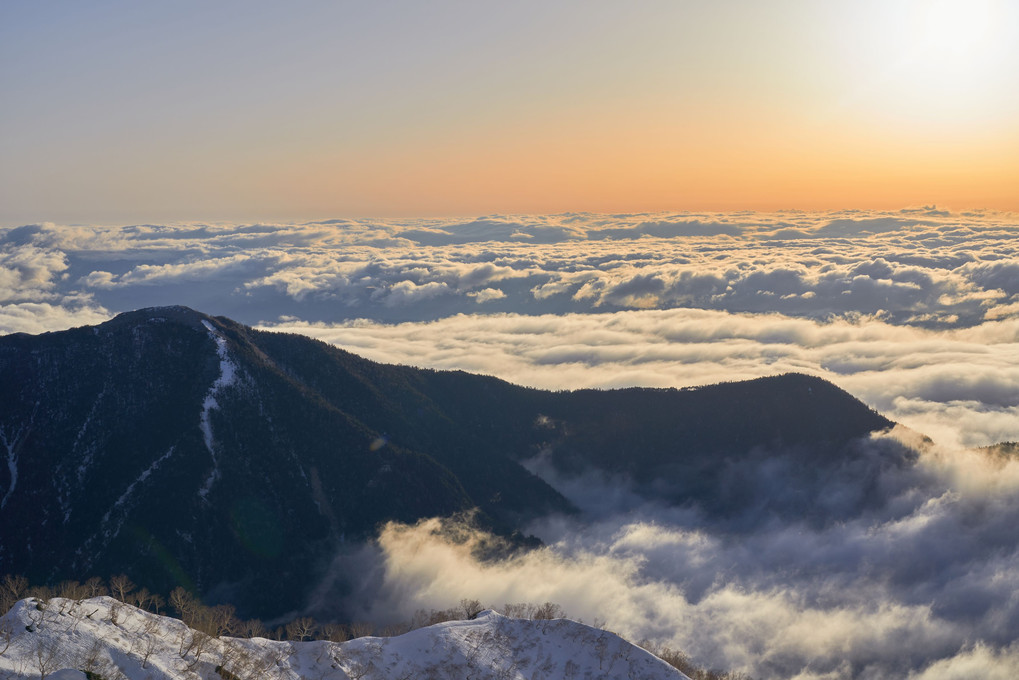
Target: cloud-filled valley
912, 573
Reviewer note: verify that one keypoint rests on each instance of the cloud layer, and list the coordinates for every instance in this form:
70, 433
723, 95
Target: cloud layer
923, 267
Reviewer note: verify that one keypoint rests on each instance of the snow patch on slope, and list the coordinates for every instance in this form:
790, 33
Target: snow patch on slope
119, 503
11, 446
227, 377
86, 460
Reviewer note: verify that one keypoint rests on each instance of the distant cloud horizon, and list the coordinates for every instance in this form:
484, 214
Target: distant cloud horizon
921, 267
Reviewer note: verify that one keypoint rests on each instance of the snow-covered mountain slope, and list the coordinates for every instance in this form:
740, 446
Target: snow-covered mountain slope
65, 639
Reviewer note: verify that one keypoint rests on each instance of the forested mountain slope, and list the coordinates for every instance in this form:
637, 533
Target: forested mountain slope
189, 450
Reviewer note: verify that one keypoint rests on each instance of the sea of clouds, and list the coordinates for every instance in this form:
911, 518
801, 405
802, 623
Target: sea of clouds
916, 312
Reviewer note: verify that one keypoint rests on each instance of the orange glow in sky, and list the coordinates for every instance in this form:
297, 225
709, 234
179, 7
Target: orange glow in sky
264, 111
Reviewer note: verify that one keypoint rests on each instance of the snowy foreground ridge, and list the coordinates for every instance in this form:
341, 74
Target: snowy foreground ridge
62, 639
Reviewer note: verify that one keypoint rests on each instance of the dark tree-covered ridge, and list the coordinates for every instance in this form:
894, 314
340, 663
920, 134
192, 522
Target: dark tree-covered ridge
188, 450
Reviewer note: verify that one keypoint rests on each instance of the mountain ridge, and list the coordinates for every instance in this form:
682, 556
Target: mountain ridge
186, 449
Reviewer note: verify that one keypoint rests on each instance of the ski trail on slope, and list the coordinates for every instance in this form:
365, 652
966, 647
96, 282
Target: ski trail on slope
227, 377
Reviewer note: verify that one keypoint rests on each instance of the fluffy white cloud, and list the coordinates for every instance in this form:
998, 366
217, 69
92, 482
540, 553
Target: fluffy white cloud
487, 294
30, 273
977, 662
42, 317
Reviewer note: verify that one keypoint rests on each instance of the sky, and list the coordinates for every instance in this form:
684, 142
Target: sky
120, 112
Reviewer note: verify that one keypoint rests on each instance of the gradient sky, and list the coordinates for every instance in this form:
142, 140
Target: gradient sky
124, 112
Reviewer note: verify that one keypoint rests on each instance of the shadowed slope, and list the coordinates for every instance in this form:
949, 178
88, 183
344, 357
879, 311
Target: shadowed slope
185, 449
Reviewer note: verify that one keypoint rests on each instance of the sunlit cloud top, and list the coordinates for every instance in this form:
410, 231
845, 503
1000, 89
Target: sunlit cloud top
922, 267
124, 112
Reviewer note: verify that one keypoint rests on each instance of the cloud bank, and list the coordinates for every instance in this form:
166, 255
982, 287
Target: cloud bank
924, 267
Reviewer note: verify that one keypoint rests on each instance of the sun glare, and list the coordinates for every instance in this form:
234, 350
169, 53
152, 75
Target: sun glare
954, 23
958, 40
943, 62
954, 34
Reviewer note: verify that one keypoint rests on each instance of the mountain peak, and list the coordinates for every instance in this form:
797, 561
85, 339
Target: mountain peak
172, 313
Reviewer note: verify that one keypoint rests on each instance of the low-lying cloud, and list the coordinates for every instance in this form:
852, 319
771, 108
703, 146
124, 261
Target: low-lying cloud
922, 586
